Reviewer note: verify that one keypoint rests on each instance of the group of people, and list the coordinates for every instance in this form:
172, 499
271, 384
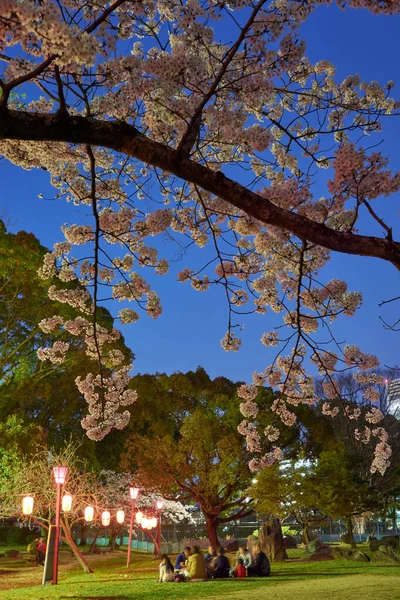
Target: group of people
192, 565
38, 548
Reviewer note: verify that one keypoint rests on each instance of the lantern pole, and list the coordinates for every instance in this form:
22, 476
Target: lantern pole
59, 476
134, 492
159, 506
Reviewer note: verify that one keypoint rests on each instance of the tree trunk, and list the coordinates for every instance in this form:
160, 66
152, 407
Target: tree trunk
305, 536
77, 553
271, 540
350, 533
94, 542
212, 524
83, 534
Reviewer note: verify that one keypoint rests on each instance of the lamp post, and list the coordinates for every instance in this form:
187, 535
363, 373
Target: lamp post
159, 506
60, 474
133, 492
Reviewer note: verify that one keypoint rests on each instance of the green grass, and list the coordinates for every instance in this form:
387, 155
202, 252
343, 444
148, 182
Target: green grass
338, 580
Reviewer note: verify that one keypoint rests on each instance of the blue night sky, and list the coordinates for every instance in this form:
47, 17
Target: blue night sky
189, 331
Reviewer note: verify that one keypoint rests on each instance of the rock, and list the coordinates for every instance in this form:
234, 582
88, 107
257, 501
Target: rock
289, 542
359, 556
232, 546
313, 546
271, 540
385, 556
316, 550
391, 541
13, 554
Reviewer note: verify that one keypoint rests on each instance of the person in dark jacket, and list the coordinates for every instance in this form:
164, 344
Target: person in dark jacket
182, 558
221, 565
261, 566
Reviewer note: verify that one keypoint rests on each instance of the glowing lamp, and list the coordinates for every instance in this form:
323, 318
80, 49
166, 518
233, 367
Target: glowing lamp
60, 474
27, 505
159, 504
144, 522
154, 522
134, 492
105, 518
89, 514
120, 516
139, 517
66, 502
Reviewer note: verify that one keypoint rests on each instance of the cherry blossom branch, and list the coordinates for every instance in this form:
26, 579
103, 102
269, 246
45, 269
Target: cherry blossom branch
125, 138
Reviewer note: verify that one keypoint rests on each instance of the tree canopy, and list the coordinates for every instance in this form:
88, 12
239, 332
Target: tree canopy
186, 445
30, 388
214, 116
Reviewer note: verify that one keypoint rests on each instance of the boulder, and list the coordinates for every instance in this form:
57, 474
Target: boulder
391, 541
316, 550
359, 556
232, 546
341, 553
289, 542
386, 555
13, 554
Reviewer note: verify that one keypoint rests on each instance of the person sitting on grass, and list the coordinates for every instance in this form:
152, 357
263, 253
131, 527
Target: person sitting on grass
261, 567
196, 566
166, 569
221, 566
182, 558
209, 558
240, 570
244, 555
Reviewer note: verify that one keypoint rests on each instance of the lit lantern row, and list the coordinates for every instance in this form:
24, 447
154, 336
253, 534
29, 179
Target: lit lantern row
28, 502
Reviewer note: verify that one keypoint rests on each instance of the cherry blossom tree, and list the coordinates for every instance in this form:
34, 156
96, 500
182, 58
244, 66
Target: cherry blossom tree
141, 112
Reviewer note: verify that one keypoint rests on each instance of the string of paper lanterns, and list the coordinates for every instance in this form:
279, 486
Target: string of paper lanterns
66, 504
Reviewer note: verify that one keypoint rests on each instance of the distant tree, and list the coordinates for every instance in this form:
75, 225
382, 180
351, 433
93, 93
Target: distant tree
33, 389
34, 476
287, 490
186, 443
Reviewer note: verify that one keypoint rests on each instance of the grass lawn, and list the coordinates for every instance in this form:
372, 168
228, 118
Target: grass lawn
336, 580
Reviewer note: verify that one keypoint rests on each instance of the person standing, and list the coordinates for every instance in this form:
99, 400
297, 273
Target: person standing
41, 550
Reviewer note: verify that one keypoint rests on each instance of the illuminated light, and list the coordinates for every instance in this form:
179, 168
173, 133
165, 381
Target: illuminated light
139, 517
60, 474
27, 505
134, 492
89, 514
159, 504
144, 522
105, 518
120, 516
66, 502
154, 522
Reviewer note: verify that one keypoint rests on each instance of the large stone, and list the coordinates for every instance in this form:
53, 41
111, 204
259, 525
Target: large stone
359, 556
313, 546
386, 555
232, 546
271, 540
341, 553
13, 554
289, 542
390, 541
316, 550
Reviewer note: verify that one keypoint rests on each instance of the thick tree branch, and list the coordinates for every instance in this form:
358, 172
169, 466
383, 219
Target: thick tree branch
21, 125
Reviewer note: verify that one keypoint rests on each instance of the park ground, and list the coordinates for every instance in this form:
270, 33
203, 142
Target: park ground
293, 580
